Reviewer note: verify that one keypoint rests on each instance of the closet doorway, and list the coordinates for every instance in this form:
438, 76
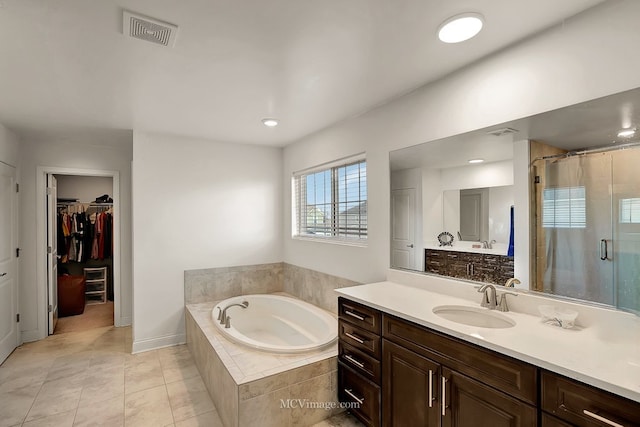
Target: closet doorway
81, 249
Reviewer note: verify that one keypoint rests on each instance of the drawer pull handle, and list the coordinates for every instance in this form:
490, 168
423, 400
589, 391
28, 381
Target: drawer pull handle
601, 419
443, 397
354, 361
352, 314
430, 388
3, 274
355, 338
353, 396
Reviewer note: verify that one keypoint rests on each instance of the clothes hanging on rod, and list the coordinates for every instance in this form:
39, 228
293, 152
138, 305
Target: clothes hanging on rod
85, 231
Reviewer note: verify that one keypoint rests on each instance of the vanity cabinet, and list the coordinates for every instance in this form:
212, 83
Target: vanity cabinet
487, 268
404, 374
359, 367
430, 379
566, 402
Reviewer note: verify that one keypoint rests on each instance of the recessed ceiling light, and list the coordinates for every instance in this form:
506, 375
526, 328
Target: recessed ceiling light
270, 122
460, 27
626, 133
476, 160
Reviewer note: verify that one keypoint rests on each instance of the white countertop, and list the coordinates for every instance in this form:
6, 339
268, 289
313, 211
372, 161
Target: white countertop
498, 249
598, 354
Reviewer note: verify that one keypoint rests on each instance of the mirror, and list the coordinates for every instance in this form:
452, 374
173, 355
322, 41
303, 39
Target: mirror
436, 188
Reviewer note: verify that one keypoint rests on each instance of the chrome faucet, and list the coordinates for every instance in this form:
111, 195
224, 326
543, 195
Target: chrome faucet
222, 314
510, 283
488, 299
502, 304
485, 244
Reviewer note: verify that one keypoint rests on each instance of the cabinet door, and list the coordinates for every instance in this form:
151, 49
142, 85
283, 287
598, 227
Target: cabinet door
410, 388
469, 403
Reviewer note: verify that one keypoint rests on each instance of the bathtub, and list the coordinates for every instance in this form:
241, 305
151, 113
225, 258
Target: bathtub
277, 324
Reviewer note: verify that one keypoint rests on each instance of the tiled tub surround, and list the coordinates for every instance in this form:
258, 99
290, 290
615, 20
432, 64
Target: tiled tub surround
249, 387
602, 351
214, 284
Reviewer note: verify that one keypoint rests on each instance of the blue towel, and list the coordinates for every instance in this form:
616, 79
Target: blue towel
511, 248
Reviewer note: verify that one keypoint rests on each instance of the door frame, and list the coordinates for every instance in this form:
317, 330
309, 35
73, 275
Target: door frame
41, 239
15, 242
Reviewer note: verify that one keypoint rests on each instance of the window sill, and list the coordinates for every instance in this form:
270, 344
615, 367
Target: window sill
342, 242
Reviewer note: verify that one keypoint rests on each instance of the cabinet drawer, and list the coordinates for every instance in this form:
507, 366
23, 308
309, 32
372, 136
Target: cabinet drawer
362, 393
360, 315
359, 361
434, 254
583, 405
549, 421
358, 338
506, 374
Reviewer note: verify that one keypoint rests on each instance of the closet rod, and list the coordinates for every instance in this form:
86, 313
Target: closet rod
83, 203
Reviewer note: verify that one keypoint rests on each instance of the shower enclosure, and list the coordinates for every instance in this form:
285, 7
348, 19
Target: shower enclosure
587, 230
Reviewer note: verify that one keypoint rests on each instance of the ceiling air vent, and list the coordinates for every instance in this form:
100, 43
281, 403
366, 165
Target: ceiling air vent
502, 131
148, 29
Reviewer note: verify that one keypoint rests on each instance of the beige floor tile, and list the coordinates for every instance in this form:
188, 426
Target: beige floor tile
180, 371
189, 398
340, 420
107, 413
15, 404
142, 375
103, 383
210, 419
148, 408
55, 397
64, 419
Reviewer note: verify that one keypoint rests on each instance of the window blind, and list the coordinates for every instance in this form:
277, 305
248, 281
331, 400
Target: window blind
564, 207
331, 203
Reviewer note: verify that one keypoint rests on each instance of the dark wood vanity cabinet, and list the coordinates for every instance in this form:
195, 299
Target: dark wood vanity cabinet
430, 379
566, 402
404, 374
359, 367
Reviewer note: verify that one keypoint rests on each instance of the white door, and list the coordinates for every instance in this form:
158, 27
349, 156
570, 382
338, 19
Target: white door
403, 225
8, 244
52, 251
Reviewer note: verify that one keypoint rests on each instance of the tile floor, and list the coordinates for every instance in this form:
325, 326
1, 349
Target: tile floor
90, 378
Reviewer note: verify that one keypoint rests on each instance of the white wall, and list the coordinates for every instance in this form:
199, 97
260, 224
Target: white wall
197, 204
500, 202
8, 147
76, 153
492, 174
572, 63
84, 188
432, 206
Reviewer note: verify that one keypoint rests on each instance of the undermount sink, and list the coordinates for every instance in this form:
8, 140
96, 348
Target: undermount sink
480, 317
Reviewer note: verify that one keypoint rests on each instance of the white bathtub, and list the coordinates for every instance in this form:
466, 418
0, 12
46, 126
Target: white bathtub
277, 324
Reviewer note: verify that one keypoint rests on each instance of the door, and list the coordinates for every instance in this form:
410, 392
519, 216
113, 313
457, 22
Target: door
8, 262
468, 403
577, 228
410, 393
52, 251
403, 226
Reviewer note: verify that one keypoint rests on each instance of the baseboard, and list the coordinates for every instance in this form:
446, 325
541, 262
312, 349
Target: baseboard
140, 346
123, 321
30, 336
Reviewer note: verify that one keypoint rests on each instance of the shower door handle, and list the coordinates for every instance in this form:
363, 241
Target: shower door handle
603, 250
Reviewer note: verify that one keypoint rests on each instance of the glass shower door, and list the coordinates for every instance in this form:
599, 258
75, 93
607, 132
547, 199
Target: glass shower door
577, 228
626, 228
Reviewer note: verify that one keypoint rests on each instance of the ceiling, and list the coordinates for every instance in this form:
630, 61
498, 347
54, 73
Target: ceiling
66, 63
590, 124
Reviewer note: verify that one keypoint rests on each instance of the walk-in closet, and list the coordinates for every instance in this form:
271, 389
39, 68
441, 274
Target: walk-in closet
84, 247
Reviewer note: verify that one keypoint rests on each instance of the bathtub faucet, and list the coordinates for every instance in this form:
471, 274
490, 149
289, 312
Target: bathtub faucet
222, 316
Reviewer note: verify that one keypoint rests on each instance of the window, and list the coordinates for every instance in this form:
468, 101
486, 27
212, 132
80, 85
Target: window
564, 207
630, 211
331, 202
